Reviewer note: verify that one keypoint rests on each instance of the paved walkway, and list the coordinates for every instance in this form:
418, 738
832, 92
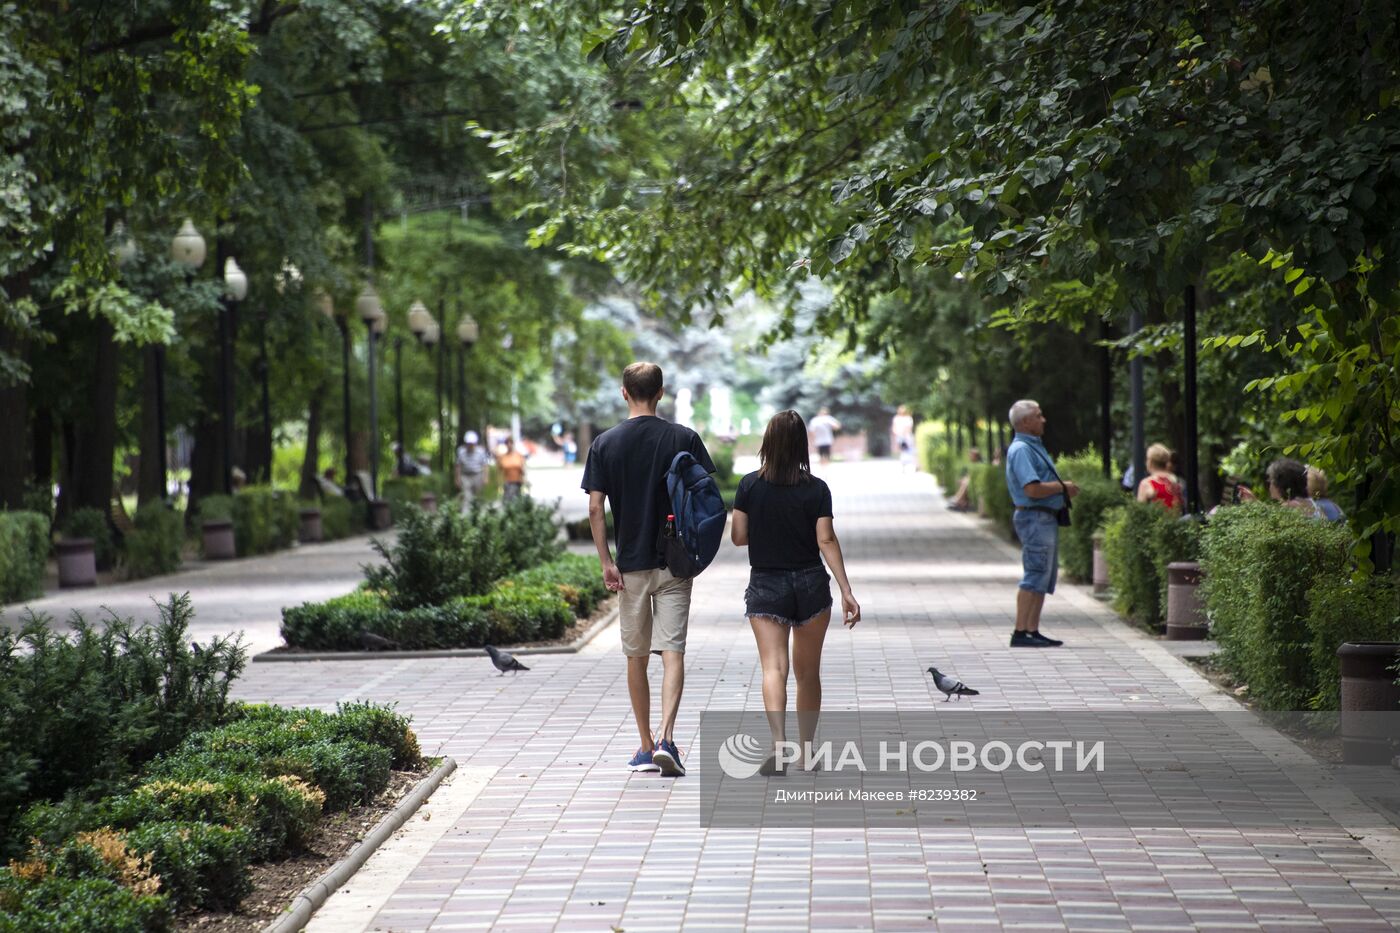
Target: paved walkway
229, 596
542, 829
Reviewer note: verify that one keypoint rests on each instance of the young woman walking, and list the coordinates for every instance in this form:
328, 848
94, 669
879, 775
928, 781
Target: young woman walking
783, 514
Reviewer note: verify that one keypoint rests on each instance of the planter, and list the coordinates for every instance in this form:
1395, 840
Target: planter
1100, 566
428, 502
379, 517
309, 530
218, 539
77, 562
1186, 619
1370, 702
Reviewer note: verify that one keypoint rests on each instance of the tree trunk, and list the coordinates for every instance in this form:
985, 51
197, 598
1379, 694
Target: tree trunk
95, 438
308, 488
43, 448
14, 412
149, 482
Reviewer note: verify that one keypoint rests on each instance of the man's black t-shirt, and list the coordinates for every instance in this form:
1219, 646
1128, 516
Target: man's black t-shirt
783, 521
628, 463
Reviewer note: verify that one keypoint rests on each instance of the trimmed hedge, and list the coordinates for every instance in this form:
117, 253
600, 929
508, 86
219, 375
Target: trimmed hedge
989, 491
153, 547
1140, 539
77, 905
1097, 496
25, 543
185, 834
1262, 562
264, 520
507, 614
341, 518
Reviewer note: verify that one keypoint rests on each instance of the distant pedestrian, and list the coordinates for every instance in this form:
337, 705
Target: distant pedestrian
824, 428
1160, 485
902, 436
570, 449
783, 514
470, 469
512, 465
626, 468
1038, 494
1317, 491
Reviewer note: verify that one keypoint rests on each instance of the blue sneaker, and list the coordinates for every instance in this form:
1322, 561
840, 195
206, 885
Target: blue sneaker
642, 761
668, 758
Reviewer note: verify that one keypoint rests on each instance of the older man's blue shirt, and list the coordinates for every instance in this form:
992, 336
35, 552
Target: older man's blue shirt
1027, 461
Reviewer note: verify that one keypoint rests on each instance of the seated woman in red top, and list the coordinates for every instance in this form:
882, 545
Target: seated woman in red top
1160, 485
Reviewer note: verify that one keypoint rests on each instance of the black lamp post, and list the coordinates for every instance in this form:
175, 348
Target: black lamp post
372, 313
427, 331
188, 250
467, 333
235, 290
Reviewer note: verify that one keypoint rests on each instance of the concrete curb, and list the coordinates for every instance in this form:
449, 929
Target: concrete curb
298, 913
572, 648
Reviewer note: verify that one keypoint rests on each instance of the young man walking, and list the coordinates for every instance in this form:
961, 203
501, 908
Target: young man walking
627, 467
1038, 494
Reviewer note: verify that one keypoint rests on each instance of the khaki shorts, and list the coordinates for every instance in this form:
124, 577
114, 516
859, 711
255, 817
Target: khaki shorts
653, 612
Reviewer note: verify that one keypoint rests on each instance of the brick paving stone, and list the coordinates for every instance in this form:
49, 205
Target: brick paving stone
562, 838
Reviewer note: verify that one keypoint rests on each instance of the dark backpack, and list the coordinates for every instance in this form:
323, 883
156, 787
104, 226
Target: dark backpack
690, 546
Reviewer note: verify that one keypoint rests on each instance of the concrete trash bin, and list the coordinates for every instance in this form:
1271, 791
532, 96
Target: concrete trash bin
1370, 702
309, 530
1100, 566
379, 515
77, 562
1186, 620
218, 539
428, 502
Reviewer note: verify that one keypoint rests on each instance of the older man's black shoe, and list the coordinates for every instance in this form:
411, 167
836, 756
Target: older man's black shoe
1024, 640
1046, 641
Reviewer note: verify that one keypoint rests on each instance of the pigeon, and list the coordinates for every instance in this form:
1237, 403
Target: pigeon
504, 660
951, 687
372, 642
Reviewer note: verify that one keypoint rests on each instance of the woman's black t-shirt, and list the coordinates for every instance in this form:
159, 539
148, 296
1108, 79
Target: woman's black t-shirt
783, 521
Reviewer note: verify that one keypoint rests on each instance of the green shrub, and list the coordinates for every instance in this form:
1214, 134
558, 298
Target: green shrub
992, 494
341, 518
1129, 536
527, 532
347, 771
379, 725
525, 613
1083, 467
215, 509
25, 542
199, 864
1097, 497
577, 577
581, 530
278, 812
529, 606
153, 547
264, 520
92, 523
1343, 610
1261, 560
1178, 539
56, 904
439, 556
84, 712
723, 457
405, 492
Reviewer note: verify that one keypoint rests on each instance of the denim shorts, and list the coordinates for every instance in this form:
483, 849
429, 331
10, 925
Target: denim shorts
790, 597
1040, 549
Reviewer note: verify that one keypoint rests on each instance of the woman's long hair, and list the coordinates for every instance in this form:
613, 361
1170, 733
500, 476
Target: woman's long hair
783, 457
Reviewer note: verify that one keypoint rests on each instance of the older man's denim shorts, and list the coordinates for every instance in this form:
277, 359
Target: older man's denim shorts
788, 597
1040, 549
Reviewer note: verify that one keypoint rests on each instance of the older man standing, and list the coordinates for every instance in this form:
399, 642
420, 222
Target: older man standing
1038, 494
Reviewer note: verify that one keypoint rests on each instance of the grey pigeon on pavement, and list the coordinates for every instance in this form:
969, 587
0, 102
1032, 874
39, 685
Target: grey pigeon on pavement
504, 660
950, 686
372, 642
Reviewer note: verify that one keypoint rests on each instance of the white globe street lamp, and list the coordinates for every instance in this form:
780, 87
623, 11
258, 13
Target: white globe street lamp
235, 280
467, 331
188, 247
419, 319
